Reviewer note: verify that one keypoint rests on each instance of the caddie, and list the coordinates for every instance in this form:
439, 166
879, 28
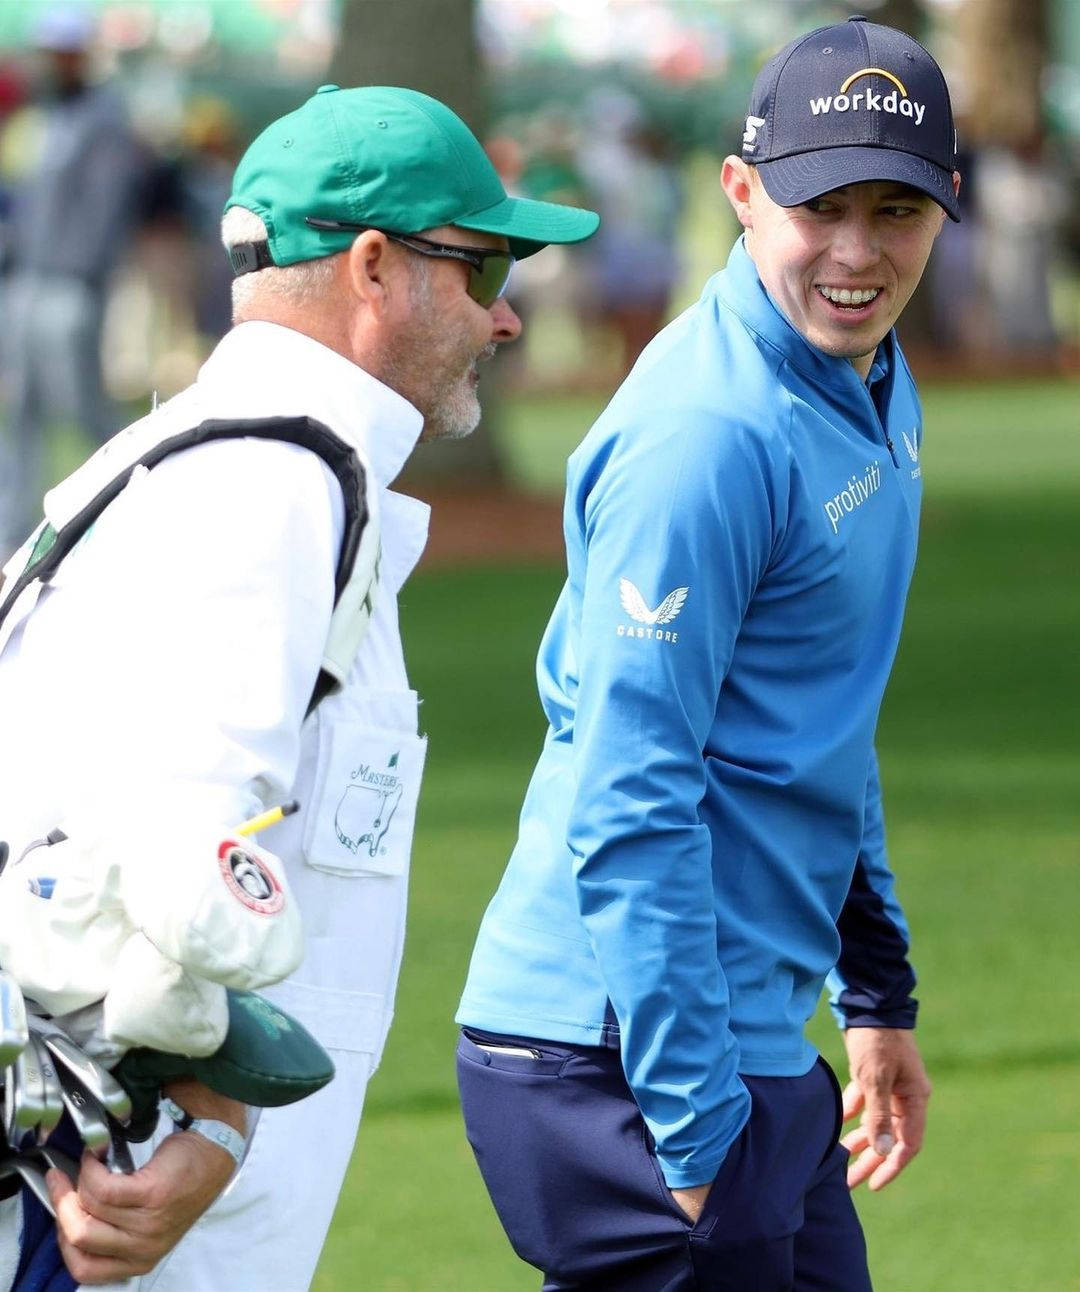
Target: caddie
206, 627
702, 842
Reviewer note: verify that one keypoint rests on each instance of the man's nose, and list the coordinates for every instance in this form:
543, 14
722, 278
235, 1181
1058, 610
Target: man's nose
856, 244
505, 324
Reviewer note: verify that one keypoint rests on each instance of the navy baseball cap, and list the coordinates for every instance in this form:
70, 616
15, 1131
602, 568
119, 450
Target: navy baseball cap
851, 103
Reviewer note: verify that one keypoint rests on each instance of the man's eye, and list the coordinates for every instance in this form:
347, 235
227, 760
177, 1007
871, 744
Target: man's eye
900, 211
818, 204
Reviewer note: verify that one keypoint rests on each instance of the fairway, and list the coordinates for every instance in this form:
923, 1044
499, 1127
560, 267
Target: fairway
980, 760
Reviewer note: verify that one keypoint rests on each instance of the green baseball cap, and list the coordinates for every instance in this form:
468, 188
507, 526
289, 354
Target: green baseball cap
388, 158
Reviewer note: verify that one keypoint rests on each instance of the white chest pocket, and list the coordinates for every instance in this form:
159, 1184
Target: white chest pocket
368, 769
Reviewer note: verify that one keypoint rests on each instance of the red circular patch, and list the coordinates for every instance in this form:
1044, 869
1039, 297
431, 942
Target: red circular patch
250, 880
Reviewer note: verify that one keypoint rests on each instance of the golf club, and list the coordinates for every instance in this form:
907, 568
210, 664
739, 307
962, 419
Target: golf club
33, 1175
102, 1133
13, 1029
24, 1096
52, 1093
54, 1157
95, 1080
90, 1120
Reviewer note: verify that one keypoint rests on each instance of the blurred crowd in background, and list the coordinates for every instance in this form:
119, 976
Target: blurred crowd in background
121, 121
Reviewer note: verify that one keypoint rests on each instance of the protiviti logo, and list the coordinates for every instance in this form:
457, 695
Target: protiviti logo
853, 495
894, 101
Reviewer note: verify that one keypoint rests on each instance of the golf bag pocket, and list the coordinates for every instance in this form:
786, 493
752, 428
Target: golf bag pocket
367, 780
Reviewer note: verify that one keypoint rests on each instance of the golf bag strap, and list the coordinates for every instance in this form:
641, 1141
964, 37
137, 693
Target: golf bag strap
54, 545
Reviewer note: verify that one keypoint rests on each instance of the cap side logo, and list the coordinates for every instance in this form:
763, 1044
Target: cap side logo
896, 101
750, 139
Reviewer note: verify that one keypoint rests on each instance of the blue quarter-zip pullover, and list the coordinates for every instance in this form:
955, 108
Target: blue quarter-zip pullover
702, 840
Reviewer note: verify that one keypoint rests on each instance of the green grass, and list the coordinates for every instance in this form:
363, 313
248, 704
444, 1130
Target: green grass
981, 762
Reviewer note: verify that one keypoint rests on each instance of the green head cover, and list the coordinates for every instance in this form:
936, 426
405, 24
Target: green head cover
390, 159
267, 1059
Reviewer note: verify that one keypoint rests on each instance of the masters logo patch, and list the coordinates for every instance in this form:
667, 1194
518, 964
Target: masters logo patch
367, 807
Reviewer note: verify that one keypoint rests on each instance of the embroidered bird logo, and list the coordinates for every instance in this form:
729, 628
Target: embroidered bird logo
912, 445
634, 604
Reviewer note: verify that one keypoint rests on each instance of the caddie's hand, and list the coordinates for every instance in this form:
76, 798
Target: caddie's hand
113, 1227
692, 1200
889, 1086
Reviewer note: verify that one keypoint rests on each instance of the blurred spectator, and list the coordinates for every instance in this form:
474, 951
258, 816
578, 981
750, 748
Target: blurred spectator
71, 208
12, 94
212, 149
1022, 203
952, 276
508, 157
633, 261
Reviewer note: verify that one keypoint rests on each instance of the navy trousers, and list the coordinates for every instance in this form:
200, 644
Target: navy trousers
571, 1168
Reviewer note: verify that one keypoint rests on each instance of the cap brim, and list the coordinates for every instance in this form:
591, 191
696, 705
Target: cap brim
792, 180
529, 225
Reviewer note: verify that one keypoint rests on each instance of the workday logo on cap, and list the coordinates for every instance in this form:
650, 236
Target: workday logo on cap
895, 101
852, 103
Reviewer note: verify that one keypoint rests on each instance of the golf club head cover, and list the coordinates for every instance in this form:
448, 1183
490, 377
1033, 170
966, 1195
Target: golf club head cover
266, 1060
212, 901
61, 925
153, 1001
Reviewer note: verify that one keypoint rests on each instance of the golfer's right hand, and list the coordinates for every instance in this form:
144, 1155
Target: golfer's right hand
692, 1200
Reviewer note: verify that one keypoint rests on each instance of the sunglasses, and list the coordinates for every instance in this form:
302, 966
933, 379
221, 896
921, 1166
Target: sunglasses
489, 270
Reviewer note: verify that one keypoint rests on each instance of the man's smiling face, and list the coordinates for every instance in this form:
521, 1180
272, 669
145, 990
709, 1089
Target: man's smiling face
842, 266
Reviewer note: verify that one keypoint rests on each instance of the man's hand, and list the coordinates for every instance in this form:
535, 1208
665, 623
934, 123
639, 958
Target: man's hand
115, 1226
889, 1086
692, 1200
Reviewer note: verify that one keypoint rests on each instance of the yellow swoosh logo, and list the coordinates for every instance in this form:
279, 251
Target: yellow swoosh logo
873, 71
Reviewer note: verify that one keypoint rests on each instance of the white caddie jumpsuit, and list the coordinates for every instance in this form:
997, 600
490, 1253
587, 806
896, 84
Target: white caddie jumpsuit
178, 646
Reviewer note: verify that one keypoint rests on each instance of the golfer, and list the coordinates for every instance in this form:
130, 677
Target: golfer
224, 638
702, 840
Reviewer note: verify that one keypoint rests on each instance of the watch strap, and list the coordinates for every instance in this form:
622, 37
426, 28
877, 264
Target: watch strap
219, 1133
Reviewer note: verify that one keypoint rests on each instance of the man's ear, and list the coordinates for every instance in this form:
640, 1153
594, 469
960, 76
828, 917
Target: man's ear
371, 269
956, 190
737, 181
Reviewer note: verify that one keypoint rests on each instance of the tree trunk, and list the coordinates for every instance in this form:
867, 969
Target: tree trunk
1019, 193
904, 15
1005, 44
427, 45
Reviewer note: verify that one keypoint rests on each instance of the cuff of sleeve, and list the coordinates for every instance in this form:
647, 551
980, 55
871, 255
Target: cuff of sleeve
902, 1017
690, 1170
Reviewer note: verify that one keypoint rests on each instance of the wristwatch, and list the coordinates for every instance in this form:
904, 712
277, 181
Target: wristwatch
219, 1133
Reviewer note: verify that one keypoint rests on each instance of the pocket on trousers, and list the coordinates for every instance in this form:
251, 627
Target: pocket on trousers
714, 1202
556, 1140
838, 1095
488, 1050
